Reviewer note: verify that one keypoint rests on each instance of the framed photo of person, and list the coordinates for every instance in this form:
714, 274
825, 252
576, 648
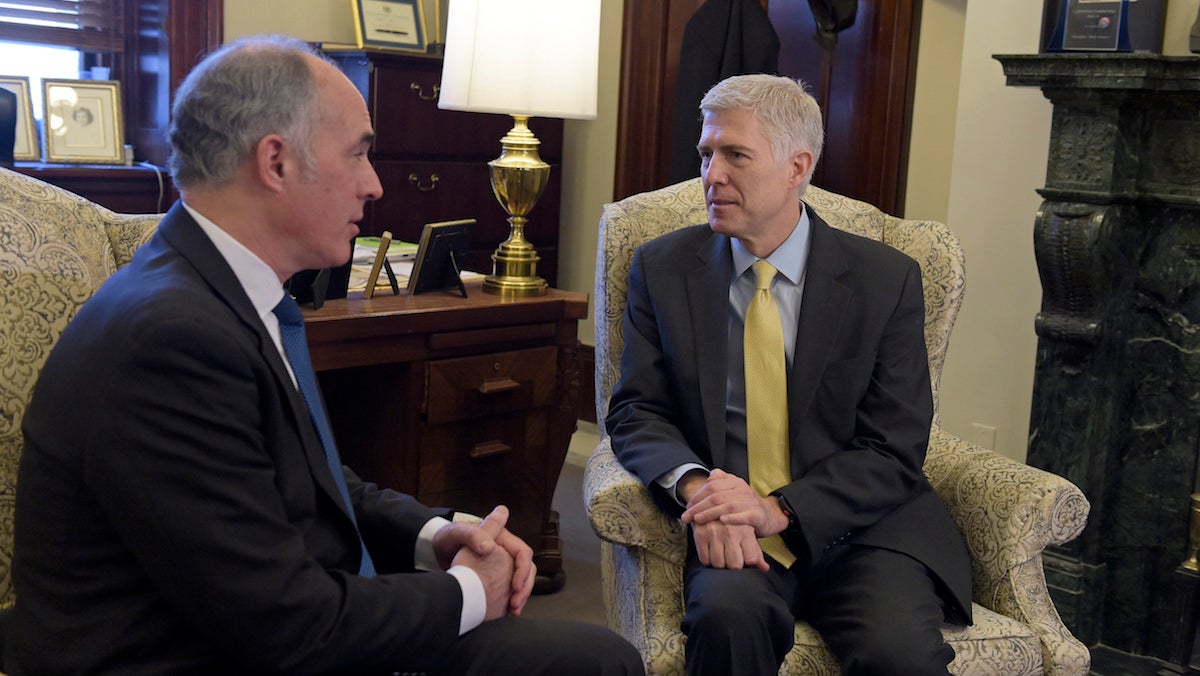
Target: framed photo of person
82, 121
440, 252
26, 146
390, 24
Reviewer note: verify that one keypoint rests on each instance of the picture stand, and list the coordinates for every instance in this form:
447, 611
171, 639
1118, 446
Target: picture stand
381, 263
441, 247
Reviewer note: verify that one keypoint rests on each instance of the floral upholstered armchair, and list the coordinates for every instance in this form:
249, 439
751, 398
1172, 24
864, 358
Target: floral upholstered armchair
56, 248
1008, 512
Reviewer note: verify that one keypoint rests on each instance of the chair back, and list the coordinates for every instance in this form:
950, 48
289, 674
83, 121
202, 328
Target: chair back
56, 249
627, 224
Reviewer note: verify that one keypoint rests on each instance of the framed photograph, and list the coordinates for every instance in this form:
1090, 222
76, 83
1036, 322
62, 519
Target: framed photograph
26, 147
441, 248
390, 24
82, 121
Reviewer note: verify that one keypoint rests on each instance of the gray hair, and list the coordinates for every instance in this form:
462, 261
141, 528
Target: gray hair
240, 93
789, 115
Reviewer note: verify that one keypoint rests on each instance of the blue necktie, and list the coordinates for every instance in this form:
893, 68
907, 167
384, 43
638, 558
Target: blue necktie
295, 345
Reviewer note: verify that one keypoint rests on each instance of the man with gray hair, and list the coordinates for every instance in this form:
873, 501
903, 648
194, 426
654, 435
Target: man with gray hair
775, 396
181, 507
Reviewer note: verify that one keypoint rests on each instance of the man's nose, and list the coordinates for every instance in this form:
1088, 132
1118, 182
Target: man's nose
374, 189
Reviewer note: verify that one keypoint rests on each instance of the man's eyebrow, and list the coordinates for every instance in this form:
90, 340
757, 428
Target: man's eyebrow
368, 138
725, 147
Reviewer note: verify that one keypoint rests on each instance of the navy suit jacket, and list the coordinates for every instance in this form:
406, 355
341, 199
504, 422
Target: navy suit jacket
175, 512
859, 400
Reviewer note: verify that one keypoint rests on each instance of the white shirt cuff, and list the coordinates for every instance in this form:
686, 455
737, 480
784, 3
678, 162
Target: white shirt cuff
424, 557
474, 608
669, 480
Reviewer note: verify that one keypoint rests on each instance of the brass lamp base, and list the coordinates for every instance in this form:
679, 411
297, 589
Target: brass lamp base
518, 178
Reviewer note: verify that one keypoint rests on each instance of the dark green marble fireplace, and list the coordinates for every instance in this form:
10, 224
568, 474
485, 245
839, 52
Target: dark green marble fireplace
1116, 400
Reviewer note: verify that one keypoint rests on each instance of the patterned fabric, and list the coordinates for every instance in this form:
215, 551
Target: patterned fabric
56, 249
1008, 512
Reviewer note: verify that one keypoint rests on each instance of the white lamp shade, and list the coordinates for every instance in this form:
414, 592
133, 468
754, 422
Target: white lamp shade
522, 57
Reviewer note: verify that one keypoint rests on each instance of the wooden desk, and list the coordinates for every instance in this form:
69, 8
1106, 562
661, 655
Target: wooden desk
462, 402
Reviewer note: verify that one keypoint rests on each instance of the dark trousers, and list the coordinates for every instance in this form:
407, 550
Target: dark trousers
878, 611
525, 647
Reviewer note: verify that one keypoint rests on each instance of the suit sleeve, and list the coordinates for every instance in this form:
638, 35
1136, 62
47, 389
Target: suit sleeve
643, 409
189, 435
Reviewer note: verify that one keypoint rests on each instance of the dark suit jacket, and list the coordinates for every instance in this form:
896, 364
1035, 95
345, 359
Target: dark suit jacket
175, 512
859, 399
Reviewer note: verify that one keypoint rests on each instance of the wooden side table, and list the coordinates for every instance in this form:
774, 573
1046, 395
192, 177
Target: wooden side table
463, 402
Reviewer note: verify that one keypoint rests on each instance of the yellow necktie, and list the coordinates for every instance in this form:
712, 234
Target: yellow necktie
766, 400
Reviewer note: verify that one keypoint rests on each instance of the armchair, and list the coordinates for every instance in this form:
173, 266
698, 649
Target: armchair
56, 248
1008, 512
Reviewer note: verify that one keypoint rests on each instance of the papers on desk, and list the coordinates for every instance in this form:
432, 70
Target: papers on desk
365, 248
400, 255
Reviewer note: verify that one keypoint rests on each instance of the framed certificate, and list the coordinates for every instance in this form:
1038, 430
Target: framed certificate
82, 121
390, 24
26, 146
1103, 25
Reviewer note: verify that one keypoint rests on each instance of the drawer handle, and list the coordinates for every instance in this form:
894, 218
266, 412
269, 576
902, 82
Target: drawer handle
416, 180
416, 87
498, 386
488, 449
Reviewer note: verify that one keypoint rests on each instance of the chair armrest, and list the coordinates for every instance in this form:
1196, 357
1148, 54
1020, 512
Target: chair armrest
1007, 511
621, 511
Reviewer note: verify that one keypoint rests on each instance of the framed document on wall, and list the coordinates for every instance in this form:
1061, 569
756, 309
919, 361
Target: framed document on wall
1103, 25
390, 24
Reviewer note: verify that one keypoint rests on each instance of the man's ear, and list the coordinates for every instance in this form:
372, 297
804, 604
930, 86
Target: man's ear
801, 164
270, 156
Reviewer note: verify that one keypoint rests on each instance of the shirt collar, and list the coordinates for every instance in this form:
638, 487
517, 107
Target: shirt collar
256, 277
788, 258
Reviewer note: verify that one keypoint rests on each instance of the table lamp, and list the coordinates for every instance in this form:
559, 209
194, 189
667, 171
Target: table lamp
523, 58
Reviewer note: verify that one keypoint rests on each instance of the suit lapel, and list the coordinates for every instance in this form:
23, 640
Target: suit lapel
182, 233
819, 326
708, 300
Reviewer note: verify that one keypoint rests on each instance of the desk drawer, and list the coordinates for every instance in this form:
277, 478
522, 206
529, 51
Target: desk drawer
472, 387
488, 461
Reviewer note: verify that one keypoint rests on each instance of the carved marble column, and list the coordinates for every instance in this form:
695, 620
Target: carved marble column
1116, 400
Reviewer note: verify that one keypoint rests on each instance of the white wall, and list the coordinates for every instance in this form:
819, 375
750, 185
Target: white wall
931, 146
312, 20
999, 160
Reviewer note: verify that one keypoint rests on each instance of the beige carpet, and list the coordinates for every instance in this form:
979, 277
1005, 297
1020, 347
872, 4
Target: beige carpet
579, 599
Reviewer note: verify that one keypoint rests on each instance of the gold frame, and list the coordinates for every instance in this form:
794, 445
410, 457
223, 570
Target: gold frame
370, 34
28, 146
97, 137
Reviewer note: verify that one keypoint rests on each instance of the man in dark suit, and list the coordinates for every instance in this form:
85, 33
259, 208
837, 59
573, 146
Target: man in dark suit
878, 563
178, 509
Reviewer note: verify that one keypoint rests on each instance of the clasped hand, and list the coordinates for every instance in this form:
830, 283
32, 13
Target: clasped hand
503, 562
727, 517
